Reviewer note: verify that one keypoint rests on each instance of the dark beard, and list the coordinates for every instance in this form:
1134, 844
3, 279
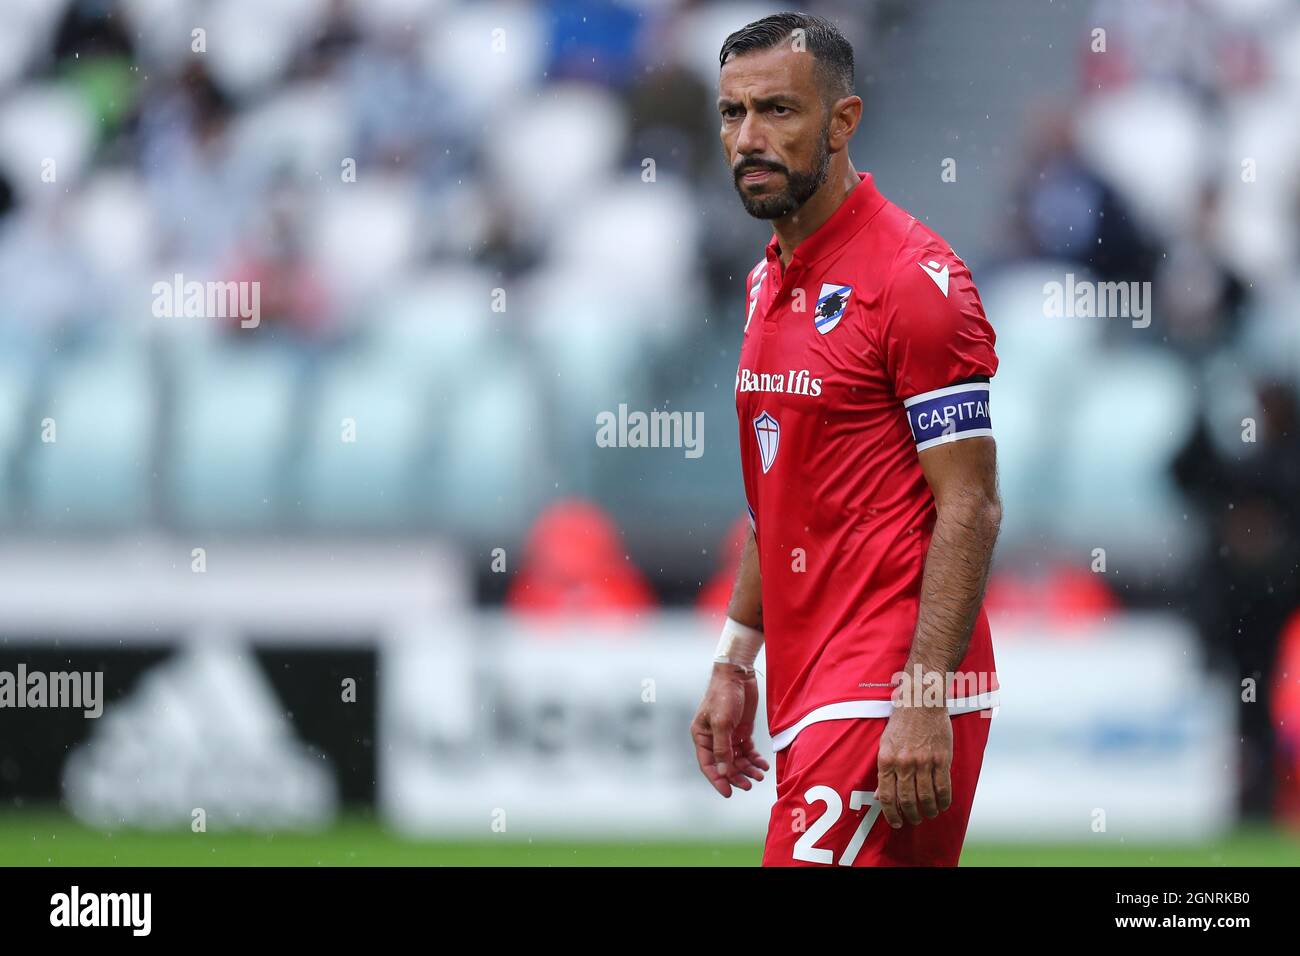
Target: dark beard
800, 185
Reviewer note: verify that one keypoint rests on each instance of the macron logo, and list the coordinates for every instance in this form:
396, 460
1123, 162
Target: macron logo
940, 276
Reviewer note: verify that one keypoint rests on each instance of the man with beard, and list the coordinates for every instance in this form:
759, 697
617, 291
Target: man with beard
870, 471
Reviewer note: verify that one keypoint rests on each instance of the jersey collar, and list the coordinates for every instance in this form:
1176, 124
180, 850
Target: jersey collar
863, 202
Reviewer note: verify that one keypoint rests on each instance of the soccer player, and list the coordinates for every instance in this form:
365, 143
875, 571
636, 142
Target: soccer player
870, 471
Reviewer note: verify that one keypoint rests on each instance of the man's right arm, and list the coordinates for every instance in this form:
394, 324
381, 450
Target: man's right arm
746, 605
723, 729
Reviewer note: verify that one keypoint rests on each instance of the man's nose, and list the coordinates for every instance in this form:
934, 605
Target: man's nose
750, 139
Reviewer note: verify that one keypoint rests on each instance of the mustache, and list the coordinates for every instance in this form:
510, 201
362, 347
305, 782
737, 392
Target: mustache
745, 165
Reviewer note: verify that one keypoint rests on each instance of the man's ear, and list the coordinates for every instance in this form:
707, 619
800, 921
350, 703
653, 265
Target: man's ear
846, 114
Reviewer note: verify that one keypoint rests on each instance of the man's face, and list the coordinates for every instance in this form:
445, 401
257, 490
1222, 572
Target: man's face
775, 129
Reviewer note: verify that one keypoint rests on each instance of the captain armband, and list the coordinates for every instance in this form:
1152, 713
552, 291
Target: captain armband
949, 414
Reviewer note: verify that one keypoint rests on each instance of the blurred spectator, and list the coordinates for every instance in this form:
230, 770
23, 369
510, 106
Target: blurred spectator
1187, 42
595, 42
1284, 704
1246, 584
6, 195
92, 28
1202, 298
574, 563
338, 35
670, 109
94, 52
1065, 211
183, 154
293, 297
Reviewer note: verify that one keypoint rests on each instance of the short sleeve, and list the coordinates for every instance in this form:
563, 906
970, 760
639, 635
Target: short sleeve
938, 347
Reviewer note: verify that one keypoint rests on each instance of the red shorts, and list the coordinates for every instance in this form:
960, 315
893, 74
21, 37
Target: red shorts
826, 811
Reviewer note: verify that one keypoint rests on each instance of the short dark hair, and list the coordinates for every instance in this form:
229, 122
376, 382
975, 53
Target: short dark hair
833, 53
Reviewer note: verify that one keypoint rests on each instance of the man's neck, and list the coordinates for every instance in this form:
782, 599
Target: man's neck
808, 218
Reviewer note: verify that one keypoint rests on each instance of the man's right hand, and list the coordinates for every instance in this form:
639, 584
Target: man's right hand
723, 730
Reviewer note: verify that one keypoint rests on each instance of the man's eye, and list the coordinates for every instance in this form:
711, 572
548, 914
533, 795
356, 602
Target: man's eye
780, 110
731, 112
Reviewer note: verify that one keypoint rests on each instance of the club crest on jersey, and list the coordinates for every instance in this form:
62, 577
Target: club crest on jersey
768, 431
831, 303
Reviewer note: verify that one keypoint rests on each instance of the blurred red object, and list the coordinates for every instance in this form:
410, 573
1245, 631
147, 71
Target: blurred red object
716, 594
1068, 597
574, 564
1284, 700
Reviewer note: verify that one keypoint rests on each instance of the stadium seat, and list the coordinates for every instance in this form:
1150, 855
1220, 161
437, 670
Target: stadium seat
1255, 227
1041, 364
303, 128
438, 326
363, 425
252, 42
1035, 349
230, 420
589, 354
114, 227
458, 51
40, 123
1115, 447
16, 378
1150, 142
1026, 454
363, 236
574, 133
27, 26
657, 254
98, 471
491, 455
704, 26
156, 26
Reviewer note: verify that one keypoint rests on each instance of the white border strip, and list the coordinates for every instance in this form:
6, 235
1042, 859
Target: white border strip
848, 709
955, 436
945, 392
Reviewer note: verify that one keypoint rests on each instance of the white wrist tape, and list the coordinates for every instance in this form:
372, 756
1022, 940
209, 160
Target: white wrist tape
738, 645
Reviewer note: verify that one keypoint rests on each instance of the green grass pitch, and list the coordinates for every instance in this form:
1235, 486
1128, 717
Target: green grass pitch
49, 838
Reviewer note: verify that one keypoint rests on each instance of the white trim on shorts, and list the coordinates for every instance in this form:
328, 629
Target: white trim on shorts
848, 709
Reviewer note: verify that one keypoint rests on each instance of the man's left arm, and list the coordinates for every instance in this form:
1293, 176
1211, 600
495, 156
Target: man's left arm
916, 748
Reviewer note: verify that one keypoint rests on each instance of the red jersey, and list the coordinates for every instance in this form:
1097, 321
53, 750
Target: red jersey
869, 348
